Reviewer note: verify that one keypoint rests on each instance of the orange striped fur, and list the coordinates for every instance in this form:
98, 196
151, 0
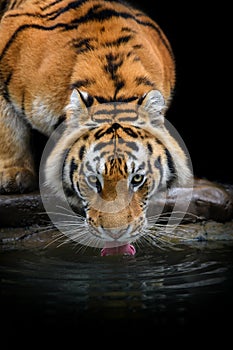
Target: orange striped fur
79, 61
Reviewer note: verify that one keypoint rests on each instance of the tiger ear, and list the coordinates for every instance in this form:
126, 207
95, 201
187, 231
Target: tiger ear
154, 104
79, 97
76, 110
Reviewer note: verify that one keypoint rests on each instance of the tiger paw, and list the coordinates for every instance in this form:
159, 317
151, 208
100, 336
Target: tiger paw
17, 180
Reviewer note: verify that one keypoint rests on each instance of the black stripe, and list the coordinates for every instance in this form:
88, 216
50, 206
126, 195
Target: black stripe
100, 145
61, 119
82, 83
82, 45
128, 29
128, 119
99, 134
91, 15
82, 152
132, 145
68, 191
102, 120
50, 5
89, 167
102, 99
171, 167
141, 99
73, 168
103, 154
107, 131
109, 13
150, 149
158, 165
23, 103
25, 27
71, 6
130, 132
141, 166
138, 46
15, 4
121, 40
105, 112
85, 136
113, 63
74, 6
112, 129
6, 94
97, 159
111, 68
119, 84
170, 162
144, 81
130, 154
133, 167
54, 14
149, 166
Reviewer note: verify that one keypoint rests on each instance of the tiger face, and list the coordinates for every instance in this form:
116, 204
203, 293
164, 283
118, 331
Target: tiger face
114, 157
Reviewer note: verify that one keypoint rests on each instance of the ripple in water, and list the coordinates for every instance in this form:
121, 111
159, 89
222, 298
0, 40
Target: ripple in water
154, 288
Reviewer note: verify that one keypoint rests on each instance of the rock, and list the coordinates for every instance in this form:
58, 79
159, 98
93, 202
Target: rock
22, 210
210, 201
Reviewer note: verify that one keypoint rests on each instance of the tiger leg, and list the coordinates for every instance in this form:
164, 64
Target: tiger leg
17, 173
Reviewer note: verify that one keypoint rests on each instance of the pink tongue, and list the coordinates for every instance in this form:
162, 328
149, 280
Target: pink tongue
127, 249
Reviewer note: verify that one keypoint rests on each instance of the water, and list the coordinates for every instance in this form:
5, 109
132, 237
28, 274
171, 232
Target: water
155, 290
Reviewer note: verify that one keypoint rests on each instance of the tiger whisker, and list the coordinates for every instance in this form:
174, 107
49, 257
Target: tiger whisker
67, 215
59, 236
183, 239
176, 212
77, 234
69, 210
71, 223
150, 242
161, 243
164, 236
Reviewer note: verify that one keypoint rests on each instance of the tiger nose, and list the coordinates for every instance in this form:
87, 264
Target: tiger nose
116, 233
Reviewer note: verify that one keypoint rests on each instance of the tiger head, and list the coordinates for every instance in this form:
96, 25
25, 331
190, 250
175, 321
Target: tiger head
113, 157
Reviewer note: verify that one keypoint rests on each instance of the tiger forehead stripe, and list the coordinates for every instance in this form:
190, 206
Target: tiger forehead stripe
116, 166
111, 129
115, 114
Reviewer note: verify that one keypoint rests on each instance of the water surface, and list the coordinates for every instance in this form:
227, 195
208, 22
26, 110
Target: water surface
58, 288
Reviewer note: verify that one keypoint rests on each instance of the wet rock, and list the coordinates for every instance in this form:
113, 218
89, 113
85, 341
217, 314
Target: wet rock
22, 210
199, 234
210, 201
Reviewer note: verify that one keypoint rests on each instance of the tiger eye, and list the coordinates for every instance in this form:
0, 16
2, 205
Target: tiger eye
92, 179
137, 179
94, 182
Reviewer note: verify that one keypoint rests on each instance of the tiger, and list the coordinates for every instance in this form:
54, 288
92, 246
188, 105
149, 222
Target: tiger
103, 73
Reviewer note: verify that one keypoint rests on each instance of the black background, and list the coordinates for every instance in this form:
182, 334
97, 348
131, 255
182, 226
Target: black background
200, 110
